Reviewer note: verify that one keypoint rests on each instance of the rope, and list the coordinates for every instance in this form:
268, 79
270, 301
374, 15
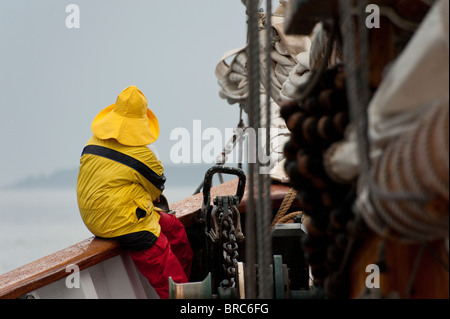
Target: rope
400, 187
289, 217
358, 94
412, 164
265, 243
412, 277
285, 205
253, 117
437, 257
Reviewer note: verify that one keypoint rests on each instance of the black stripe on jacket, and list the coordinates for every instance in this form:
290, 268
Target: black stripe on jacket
129, 161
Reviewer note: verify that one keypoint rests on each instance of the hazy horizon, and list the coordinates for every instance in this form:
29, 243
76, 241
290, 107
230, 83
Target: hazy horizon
55, 80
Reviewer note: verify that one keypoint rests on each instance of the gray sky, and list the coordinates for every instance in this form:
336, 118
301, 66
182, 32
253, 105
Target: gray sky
54, 80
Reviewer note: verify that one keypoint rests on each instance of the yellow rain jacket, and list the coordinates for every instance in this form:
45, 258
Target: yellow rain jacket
109, 192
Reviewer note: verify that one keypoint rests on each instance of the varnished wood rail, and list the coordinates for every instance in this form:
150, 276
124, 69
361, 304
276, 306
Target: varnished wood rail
92, 251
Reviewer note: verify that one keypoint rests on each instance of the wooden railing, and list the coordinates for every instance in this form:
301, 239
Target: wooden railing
89, 252
51, 268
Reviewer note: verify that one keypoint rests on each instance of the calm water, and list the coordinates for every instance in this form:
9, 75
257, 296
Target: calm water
37, 222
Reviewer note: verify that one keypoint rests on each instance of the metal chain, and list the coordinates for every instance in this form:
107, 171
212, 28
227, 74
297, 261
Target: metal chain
230, 249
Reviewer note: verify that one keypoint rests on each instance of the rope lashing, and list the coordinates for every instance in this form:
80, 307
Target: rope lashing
285, 205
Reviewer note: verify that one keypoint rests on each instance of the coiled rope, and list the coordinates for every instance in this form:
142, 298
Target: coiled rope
416, 162
405, 196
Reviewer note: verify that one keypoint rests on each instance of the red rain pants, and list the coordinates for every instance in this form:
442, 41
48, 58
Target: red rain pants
170, 256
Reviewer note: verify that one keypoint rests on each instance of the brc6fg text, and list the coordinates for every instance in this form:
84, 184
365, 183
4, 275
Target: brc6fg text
246, 308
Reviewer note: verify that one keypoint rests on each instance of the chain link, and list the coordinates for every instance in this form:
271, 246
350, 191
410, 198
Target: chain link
230, 248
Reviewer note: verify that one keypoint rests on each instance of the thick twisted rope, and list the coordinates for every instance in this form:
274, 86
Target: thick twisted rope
285, 205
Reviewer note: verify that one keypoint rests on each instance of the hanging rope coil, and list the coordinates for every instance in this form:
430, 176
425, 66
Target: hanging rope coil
417, 162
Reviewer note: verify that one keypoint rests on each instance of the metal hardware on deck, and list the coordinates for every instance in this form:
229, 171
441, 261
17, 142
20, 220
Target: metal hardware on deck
193, 290
223, 233
229, 238
240, 277
287, 243
223, 170
281, 278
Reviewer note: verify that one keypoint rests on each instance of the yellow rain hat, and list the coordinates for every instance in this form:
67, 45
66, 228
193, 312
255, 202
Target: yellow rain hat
129, 121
